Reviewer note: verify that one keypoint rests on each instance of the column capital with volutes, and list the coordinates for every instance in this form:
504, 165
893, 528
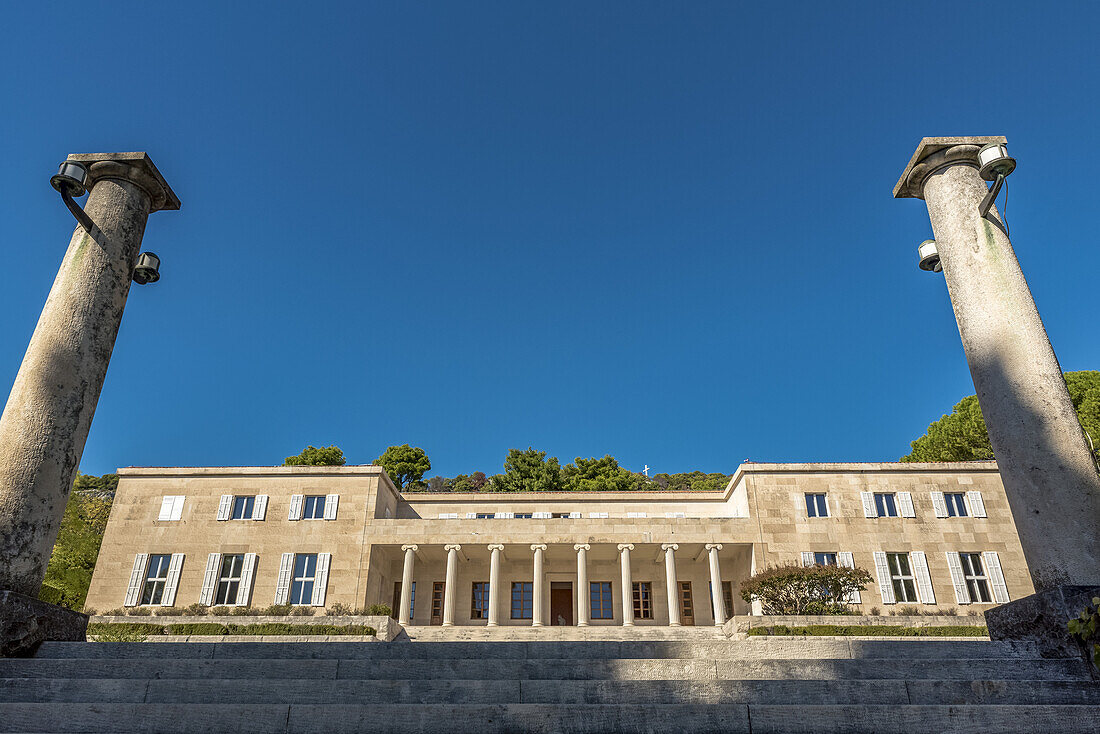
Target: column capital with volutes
413, 547
582, 547
626, 546
714, 546
496, 547
538, 546
452, 547
670, 546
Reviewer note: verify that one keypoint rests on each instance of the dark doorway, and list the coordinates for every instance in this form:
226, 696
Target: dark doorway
687, 605
561, 603
437, 602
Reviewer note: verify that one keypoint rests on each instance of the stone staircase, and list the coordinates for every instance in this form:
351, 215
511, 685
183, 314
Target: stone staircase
755, 685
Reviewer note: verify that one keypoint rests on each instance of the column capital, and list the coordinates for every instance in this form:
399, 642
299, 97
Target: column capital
538, 546
496, 547
452, 547
626, 546
582, 547
714, 546
135, 168
670, 546
932, 154
414, 548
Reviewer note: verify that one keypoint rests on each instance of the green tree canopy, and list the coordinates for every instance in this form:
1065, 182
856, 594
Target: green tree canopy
599, 475
69, 572
528, 471
405, 464
312, 456
962, 435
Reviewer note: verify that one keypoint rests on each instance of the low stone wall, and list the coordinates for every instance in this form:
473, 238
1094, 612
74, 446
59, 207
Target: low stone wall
742, 624
386, 628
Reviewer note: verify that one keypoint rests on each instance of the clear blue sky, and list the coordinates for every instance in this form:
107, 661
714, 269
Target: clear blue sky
662, 231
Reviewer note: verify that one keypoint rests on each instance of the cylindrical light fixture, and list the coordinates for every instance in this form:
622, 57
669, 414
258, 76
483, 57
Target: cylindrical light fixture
147, 269
929, 257
71, 178
993, 160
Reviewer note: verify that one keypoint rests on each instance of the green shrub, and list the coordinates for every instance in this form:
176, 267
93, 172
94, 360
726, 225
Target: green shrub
302, 612
139, 611
277, 610
105, 630
285, 628
828, 630
119, 612
794, 589
243, 611
339, 609
1086, 627
169, 612
222, 611
138, 631
197, 628
90, 611
196, 610
379, 610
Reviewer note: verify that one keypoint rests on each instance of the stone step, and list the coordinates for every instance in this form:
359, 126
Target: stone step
565, 692
379, 718
506, 634
753, 648
552, 669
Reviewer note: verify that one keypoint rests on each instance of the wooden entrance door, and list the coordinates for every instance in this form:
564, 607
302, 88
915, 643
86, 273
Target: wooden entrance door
437, 602
561, 603
687, 605
396, 608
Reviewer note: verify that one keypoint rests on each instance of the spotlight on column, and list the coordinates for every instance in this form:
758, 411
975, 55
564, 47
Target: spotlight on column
994, 165
147, 269
929, 257
71, 180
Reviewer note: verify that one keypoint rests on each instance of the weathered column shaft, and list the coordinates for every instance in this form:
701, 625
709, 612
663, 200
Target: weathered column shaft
584, 613
494, 584
628, 584
1044, 458
671, 584
450, 587
404, 615
719, 604
537, 582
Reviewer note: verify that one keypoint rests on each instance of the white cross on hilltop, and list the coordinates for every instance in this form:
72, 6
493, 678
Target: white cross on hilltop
646, 471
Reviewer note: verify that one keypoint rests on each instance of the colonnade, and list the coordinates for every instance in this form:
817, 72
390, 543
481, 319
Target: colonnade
583, 599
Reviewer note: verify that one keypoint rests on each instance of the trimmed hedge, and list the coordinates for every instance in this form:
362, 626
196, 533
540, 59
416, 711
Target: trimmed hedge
137, 628
848, 630
208, 628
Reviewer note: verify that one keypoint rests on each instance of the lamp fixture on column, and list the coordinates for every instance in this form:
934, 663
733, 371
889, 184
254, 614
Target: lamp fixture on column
994, 165
71, 180
929, 257
147, 269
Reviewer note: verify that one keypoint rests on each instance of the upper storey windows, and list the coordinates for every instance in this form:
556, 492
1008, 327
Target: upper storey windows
242, 507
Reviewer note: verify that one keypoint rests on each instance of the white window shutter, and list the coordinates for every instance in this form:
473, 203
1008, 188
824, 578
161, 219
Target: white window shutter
905, 504
173, 580
259, 507
225, 506
471, 515
166, 505
332, 501
295, 507
506, 515
868, 504
924, 579
248, 571
177, 507
828, 512
137, 580
210, 578
444, 516
844, 559
962, 596
996, 577
977, 506
282, 586
938, 504
320, 580
541, 515
807, 558
574, 515
885, 585
596, 515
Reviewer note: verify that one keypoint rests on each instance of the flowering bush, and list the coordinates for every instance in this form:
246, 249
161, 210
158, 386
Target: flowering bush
794, 589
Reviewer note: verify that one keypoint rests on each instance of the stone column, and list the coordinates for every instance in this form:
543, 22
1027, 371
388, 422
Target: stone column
49, 410
404, 615
450, 587
1048, 471
494, 583
584, 613
673, 587
628, 584
716, 585
537, 582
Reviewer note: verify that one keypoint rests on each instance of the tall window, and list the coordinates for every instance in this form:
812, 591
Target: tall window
479, 604
242, 508
522, 599
600, 600
825, 559
727, 596
901, 576
977, 583
438, 589
485, 515
885, 505
156, 575
643, 600
956, 504
313, 507
229, 579
301, 583
815, 506
523, 515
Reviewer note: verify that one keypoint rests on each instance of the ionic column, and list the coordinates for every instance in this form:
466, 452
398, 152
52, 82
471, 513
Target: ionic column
536, 586
628, 584
494, 582
404, 615
670, 582
450, 587
716, 584
583, 601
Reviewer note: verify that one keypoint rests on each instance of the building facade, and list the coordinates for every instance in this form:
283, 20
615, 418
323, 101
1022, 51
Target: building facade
936, 536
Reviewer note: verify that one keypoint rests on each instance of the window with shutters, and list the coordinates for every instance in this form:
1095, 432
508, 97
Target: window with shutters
977, 582
561, 515
643, 600
242, 507
523, 600
816, 506
313, 507
301, 583
901, 577
229, 579
479, 603
156, 576
599, 596
485, 515
885, 504
956, 504
825, 559
523, 515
